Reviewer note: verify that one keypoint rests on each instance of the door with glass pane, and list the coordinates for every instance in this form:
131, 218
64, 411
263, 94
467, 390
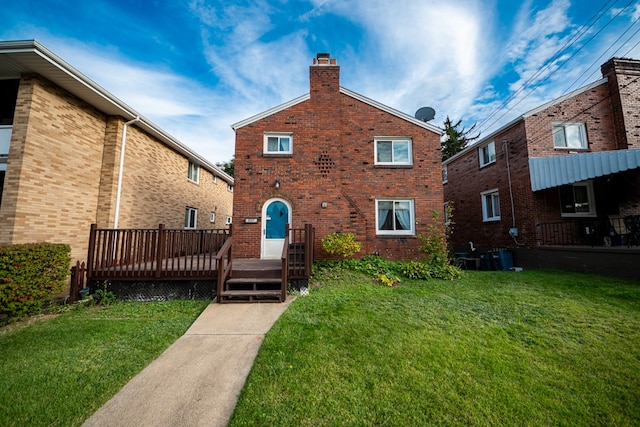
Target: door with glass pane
276, 214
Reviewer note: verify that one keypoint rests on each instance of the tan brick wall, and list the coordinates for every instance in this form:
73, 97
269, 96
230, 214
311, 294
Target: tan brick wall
62, 174
53, 169
155, 188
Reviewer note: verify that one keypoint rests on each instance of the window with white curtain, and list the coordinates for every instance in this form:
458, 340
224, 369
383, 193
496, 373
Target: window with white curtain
569, 135
395, 217
490, 205
278, 143
487, 154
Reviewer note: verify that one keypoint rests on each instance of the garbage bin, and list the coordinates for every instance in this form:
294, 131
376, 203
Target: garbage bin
506, 260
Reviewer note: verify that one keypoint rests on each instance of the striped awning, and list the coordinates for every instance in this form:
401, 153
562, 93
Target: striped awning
553, 171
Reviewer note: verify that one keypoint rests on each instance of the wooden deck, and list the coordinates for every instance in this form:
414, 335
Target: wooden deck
164, 254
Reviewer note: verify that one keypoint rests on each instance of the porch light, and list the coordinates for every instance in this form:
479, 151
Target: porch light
276, 184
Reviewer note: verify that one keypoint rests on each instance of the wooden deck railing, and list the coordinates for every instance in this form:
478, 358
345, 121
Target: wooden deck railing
285, 266
300, 251
224, 263
153, 253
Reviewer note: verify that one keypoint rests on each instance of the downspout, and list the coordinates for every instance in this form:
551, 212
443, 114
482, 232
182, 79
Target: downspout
120, 169
513, 209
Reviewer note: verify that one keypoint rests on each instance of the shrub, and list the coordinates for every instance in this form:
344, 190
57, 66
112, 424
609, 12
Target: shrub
433, 243
29, 275
341, 244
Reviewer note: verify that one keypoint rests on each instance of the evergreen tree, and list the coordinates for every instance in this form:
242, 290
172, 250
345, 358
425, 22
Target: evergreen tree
227, 167
455, 139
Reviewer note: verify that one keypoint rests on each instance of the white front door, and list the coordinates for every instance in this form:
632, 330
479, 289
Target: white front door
276, 214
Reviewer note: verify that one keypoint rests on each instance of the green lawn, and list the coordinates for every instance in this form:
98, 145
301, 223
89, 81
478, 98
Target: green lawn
492, 348
58, 372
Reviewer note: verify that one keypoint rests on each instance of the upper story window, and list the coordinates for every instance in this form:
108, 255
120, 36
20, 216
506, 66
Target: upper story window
393, 151
193, 172
190, 218
445, 176
569, 135
577, 199
487, 154
395, 217
490, 205
229, 187
278, 143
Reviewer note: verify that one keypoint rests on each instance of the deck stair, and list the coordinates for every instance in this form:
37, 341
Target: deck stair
253, 280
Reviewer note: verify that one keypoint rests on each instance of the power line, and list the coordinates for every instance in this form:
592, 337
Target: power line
570, 42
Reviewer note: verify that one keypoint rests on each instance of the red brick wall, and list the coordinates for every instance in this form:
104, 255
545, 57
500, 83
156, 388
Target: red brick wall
530, 137
333, 162
624, 85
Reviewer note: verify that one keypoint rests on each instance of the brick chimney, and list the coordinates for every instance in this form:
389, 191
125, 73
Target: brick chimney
623, 75
324, 77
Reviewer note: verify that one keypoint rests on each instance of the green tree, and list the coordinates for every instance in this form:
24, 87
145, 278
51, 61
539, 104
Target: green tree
456, 139
227, 167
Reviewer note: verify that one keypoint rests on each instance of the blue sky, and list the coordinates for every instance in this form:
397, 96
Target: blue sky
196, 67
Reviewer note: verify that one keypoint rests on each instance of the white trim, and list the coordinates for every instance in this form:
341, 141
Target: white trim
529, 113
485, 216
30, 56
187, 217
393, 140
270, 111
392, 111
196, 168
265, 141
481, 152
412, 220
344, 91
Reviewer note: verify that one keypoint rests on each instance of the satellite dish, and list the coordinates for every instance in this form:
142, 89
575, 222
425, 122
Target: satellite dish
425, 114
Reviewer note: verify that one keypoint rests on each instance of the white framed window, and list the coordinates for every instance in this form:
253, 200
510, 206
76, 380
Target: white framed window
395, 217
490, 205
278, 143
229, 187
392, 151
215, 179
212, 217
577, 200
227, 220
487, 154
193, 172
569, 135
445, 176
190, 218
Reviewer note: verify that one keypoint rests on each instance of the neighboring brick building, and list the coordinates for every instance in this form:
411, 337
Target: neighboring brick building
61, 137
563, 174
339, 161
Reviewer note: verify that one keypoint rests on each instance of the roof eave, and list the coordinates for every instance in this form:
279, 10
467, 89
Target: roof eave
36, 48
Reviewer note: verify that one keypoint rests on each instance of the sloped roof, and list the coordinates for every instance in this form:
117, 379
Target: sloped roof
29, 56
529, 113
343, 91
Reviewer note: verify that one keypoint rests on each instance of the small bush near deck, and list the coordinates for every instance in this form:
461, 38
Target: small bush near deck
343, 245
29, 275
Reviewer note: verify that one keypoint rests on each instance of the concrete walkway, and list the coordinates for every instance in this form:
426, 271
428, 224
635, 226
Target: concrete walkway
196, 381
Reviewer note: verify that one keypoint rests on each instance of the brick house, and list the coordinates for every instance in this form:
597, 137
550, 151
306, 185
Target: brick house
62, 139
556, 184
339, 161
